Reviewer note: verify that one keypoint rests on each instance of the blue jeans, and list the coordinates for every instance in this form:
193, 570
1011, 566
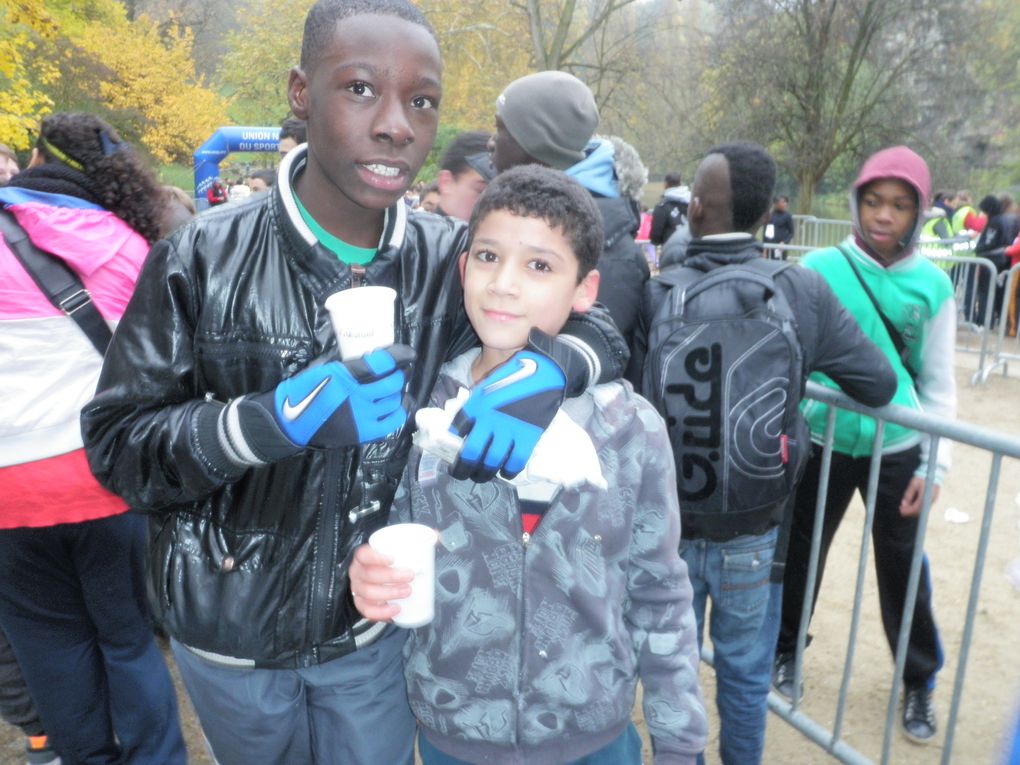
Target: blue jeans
625, 749
745, 621
348, 711
72, 606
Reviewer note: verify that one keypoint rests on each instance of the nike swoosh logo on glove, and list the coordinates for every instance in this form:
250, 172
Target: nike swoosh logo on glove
292, 411
527, 369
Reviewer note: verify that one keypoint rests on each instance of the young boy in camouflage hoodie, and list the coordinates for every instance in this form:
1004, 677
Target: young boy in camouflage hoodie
550, 608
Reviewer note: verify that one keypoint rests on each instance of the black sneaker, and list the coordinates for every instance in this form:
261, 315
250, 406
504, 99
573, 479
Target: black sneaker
782, 677
918, 715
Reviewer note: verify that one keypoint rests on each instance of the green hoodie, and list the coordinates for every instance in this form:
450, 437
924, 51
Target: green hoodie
912, 292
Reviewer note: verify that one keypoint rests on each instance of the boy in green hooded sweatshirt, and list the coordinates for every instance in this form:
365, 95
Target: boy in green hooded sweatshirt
905, 304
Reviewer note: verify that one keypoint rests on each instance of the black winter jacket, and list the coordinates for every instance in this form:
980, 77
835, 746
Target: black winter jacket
254, 565
782, 228
668, 215
623, 268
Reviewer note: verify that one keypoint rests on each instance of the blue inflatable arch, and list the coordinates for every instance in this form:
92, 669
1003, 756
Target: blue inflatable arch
223, 142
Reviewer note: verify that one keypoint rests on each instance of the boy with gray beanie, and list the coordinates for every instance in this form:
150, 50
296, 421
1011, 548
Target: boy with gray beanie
550, 118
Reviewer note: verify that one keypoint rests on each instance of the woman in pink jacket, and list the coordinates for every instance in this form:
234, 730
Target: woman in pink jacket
72, 599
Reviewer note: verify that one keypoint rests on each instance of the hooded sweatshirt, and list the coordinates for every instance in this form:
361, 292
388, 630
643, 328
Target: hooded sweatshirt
917, 298
622, 265
597, 171
539, 639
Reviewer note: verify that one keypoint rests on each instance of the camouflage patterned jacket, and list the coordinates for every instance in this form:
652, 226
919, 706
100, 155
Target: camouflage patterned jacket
539, 641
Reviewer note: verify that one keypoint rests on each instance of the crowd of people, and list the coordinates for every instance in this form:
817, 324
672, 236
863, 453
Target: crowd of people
293, 132
990, 231
221, 192
214, 468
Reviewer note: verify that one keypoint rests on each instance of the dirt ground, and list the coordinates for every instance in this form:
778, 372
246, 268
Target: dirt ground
992, 681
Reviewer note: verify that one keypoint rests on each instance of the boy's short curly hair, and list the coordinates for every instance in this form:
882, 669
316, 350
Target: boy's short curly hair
752, 181
320, 24
541, 192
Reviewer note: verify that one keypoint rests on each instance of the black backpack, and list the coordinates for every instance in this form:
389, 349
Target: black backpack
725, 369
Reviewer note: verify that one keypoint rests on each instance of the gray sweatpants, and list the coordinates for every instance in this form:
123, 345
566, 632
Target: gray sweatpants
349, 711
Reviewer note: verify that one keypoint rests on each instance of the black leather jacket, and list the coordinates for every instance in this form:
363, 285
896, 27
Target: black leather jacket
254, 566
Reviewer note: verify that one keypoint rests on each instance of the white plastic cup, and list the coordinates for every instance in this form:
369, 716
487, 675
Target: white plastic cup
412, 546
362, 319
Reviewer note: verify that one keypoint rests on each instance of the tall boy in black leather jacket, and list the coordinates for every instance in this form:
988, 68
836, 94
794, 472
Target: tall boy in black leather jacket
256, 499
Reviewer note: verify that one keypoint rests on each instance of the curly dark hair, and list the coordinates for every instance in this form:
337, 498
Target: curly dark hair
120, 180
540, 192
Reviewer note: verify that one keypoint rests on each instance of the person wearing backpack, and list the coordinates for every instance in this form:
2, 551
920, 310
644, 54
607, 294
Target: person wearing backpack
671, 211
905, 304
725, 343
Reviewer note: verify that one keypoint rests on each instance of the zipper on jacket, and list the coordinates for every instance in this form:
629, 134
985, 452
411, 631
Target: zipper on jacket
356, 515
357, 275
327, 533
522, 633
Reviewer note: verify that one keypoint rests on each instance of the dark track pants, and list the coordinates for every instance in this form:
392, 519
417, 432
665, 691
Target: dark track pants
16, 705
893, 540
71, 603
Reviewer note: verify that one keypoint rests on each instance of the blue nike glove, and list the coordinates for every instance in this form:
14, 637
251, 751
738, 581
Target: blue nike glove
506, 414
326, 406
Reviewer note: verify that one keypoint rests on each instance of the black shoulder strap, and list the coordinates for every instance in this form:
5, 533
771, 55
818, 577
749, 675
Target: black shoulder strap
682, 274
768, 266
57, 282
894, 334
674, 276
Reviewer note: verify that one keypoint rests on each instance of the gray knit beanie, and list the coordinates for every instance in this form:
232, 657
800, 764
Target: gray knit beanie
552, 116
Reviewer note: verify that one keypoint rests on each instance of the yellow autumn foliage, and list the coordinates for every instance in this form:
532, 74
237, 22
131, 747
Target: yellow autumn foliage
485, 46
58, 55
484, 43
23, 98
259, 58
153, 75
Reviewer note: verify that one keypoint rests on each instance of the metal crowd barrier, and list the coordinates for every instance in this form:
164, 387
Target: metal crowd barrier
792, 252
955, 256
1003, 354
974, 281
999, 445
810, 233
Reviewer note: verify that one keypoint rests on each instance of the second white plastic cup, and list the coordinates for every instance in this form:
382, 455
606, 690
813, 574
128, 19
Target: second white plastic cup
413, 546
362, 319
